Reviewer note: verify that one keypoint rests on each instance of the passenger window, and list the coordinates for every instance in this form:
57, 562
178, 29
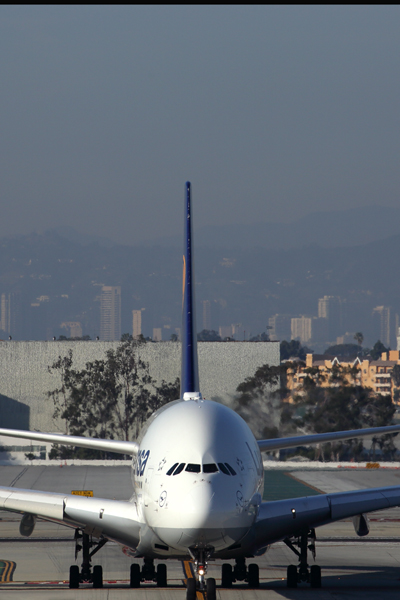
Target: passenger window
233, 472
179, 469
223, 468
172, 469
191, 468
210, 468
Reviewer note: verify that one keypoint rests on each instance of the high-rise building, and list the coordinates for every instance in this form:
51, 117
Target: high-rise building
280, 328
206, 314
301, 329
4, 313
110, 313
157, 334
381, 320
136, 323
225, 331
330, 308
74, 328
11, 314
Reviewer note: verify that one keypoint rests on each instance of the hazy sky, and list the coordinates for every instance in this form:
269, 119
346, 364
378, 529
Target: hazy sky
271, 112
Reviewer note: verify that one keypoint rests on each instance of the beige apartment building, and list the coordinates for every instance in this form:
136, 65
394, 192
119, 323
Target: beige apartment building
365, 372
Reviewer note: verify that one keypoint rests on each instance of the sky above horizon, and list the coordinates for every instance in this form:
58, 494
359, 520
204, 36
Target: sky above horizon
272, 112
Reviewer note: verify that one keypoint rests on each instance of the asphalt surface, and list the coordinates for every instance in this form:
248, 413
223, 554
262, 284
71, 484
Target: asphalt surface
352, 567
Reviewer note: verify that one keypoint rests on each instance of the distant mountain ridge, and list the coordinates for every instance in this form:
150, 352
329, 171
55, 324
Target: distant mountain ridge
57, 280
340, 228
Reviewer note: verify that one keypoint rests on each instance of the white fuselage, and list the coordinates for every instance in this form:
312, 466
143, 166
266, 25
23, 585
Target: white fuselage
211, 498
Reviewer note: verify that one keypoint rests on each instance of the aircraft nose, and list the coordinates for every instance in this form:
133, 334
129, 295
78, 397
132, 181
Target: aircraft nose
198, 507
208, 515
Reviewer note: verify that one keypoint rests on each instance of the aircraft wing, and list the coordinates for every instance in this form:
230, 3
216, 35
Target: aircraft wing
113, 519
120, 447
317, 438
286, 518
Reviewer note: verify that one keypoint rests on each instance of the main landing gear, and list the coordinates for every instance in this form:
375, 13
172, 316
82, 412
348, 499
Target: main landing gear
148, 573
84, 542
240, 573
301, 573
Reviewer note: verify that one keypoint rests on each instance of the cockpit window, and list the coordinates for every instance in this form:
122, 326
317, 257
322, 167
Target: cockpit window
223, 468
233, 472
172, 469
193, 468
210, 468
179, 469
207, 468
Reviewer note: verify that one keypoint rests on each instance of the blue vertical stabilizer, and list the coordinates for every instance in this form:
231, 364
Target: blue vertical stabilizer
190, 369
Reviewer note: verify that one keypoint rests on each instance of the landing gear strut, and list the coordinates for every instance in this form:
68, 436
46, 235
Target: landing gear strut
240, 573
84, 542
305, 541
148, 573
200, 557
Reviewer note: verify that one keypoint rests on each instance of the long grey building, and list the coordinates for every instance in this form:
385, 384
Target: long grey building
25, 378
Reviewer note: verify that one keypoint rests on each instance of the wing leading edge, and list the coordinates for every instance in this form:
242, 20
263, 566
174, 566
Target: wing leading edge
286, 518
119, 447
114, 519
317, 438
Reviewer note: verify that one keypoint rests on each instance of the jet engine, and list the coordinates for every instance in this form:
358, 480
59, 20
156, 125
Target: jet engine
361, 525
27, 524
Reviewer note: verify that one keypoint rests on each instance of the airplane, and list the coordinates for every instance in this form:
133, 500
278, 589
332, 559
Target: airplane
198, 480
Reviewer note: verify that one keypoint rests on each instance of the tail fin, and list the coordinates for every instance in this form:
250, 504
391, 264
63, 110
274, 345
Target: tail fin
190, 370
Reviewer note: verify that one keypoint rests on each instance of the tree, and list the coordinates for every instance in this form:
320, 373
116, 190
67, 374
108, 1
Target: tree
111, 398
346, 407
293, 349
359, 338
126, 337
377, 350
259, 400
396, 375
340, 404
208, 335
261, 337
343, 350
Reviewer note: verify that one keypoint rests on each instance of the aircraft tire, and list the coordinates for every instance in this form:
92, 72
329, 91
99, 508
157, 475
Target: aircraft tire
161, 577
191, 589
211, 589
136, 576
227, 576
97, 576
315, 576
74, 577
292, 576
253, 576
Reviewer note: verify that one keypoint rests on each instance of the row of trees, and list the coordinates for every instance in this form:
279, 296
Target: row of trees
210, 335
112, 398
339, 406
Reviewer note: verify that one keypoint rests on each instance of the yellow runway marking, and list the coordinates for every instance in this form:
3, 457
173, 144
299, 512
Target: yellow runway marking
188, 572
7, 568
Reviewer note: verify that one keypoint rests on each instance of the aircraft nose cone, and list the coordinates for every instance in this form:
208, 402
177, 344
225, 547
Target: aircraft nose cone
208, 515
198, 507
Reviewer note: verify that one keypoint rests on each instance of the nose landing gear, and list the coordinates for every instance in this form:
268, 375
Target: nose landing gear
208, 586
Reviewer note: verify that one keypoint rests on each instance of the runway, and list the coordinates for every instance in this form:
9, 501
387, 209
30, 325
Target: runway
38, 567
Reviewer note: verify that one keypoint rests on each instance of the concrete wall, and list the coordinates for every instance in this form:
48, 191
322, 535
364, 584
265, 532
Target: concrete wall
25, 378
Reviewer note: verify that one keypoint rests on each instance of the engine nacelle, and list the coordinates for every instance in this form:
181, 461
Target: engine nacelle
361, 525
27, 525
